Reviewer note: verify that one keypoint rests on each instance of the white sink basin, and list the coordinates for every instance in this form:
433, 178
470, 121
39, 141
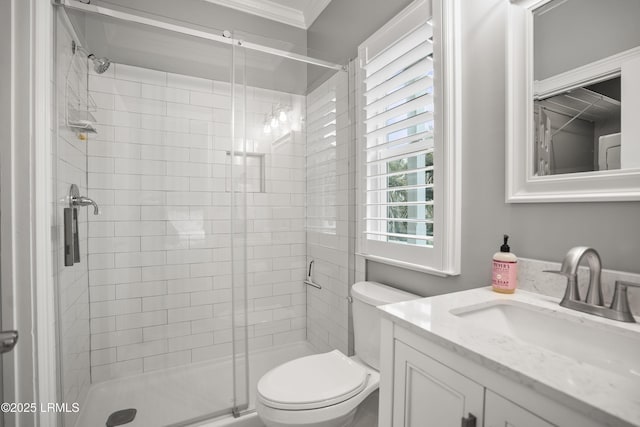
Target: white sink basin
596, 343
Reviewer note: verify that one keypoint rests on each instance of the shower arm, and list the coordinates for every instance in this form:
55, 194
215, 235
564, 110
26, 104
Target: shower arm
75, 47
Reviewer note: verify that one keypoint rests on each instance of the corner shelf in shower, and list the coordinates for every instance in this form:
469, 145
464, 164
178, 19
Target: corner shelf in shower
79, 108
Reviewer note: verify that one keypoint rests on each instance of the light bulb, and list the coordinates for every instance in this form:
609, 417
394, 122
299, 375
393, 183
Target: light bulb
267, 128
274, 122
282, 116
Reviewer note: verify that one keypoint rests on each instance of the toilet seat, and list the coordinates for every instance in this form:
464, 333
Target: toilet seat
312, 382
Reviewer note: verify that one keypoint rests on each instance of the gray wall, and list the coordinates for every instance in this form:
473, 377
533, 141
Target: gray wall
344, 24
335, 35
542, 231
578, 32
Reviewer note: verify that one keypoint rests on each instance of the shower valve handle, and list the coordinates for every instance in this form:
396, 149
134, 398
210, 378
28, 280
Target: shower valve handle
85, 201
75, 199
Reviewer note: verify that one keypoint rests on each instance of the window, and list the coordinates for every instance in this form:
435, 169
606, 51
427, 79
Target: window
408, 183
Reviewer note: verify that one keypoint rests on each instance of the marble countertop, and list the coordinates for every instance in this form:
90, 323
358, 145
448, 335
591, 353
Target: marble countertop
610, 398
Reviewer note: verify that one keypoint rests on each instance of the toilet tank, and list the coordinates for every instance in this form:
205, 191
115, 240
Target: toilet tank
366, 317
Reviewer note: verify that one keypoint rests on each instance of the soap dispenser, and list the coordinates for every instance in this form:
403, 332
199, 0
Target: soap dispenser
505, 270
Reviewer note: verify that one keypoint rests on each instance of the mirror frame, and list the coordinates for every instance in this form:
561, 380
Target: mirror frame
522, 185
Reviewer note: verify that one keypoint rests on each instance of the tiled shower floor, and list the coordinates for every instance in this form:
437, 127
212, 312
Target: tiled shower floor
176, 395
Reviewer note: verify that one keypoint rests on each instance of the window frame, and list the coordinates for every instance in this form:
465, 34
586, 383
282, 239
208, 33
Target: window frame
444, 258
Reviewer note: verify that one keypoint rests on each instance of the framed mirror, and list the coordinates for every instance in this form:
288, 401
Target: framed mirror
573, 101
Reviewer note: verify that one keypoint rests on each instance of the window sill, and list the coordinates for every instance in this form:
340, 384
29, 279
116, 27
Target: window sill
407, 265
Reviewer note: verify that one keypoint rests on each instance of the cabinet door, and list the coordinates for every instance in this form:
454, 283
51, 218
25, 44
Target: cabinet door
500, 412
427, 393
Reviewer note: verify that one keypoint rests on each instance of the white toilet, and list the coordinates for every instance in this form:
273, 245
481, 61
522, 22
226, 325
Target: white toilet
324, 390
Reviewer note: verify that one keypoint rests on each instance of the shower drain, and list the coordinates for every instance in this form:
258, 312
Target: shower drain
123, 416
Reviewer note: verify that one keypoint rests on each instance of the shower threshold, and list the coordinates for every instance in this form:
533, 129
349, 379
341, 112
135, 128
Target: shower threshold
175, 396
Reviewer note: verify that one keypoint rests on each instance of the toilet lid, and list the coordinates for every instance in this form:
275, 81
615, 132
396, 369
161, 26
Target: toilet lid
312, 382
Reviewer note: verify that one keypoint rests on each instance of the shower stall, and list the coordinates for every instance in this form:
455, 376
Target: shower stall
220, 179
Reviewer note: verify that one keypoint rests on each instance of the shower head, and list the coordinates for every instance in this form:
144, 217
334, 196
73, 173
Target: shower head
100, 65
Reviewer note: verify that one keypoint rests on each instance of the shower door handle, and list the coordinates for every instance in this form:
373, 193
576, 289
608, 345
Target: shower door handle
8, 340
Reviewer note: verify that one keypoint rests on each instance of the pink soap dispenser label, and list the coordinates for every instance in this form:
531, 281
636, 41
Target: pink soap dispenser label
505, 276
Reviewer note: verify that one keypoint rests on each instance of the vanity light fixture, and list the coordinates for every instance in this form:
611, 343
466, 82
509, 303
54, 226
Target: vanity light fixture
280, 115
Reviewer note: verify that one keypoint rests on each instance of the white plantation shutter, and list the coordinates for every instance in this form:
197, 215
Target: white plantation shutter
402, 205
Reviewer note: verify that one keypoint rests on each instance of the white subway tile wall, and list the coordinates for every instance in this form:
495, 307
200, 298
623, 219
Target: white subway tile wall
160, 254
330, 205
69, 166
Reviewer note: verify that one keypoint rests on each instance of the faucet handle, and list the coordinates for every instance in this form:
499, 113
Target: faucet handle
75, 199
85, 201
620, 301
623, 283
572, 293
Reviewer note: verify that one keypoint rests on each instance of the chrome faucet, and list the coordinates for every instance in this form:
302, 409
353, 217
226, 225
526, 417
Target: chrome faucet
594, 302
569, 269
85, 201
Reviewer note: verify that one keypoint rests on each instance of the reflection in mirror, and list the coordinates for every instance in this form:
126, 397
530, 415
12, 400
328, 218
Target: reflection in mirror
578, 130
577, 116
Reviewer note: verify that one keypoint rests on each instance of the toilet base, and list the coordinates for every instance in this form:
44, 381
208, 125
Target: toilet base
271, 420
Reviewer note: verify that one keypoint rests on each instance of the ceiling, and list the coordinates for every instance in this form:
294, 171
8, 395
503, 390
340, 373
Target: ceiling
298, 13
144, 46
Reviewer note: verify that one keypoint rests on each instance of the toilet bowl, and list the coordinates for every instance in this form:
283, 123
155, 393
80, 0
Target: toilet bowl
325, 390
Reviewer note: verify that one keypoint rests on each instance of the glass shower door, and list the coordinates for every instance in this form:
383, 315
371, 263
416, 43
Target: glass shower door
238, 184
268, 181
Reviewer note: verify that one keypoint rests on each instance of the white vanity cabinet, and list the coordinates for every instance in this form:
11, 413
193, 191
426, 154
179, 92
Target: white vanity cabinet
416, 376
424, 384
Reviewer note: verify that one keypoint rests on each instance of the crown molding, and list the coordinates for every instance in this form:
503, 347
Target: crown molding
268, 9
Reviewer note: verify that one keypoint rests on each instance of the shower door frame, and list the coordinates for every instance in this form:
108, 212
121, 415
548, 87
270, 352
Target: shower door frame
26, 265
